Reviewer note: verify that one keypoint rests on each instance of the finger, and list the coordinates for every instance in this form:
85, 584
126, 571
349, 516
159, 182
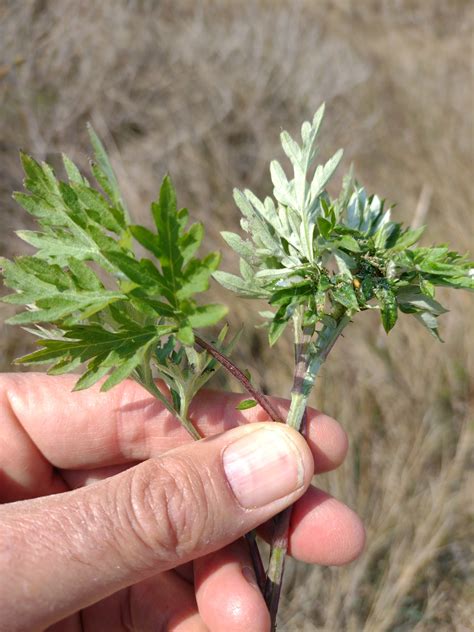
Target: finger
162, 602
227, 593
81, 478
192, 501
322, 530
68, 430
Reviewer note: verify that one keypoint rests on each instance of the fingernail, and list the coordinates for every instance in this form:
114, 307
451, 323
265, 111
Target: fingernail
263, 466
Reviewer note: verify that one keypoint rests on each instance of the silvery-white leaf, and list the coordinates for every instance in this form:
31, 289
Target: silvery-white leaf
382, 219
323, 174
270, 208
347, 187
254, 201
241, 247
291, 148
306, 132
262, 236
246, 270
279, 179
243, 204
344, 262
310, 131
285, 224
284, 283
236, 284
244, 223
383, 233
428, 321
405, 296
355, 210
294, 254
268, 211
290, 261
295, 223
352, 214
274, 273
301, 187
306, 239
376, 205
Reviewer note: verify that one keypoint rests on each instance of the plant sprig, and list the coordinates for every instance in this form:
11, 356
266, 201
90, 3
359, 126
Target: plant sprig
333, 257
93, 302
319, 261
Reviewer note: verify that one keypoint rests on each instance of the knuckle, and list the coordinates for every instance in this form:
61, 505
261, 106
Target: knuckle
168, 509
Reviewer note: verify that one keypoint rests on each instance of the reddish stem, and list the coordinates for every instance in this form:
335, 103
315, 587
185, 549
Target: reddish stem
239, 375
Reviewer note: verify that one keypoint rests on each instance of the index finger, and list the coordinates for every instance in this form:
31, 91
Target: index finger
89, 429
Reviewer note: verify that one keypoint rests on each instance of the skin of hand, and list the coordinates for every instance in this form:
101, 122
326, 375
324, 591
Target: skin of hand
113, 519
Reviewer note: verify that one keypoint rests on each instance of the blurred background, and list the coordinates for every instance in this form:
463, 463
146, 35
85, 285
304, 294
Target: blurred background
201, 89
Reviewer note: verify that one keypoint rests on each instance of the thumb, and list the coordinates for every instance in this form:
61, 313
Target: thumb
72, 549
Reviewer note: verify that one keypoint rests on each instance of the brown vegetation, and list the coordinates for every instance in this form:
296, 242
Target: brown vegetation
201, 89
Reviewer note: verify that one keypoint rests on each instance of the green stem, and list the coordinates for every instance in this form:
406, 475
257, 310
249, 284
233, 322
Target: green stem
144, 376
309, 360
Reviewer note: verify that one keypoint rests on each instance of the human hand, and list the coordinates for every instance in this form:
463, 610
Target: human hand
125, 524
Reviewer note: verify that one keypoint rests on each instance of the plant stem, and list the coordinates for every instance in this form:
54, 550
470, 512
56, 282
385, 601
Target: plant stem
145, 377
227, 363
251, 538
308, 361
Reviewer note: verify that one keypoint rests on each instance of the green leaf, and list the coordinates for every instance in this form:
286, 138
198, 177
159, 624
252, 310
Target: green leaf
276, 329
104, 350
98, 210
185, 335
143, 272
168, 234
388, 307
90, 377
147, 239
124, 370
72, 171
407, 238
196, 275
324, 226
83, 276
279, 323
245, 404
427, 288
348, 243
104, 173
190, 242
344, 295
38, 207
295, 292
207, 315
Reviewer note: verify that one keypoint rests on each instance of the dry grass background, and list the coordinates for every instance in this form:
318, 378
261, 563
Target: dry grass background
201, 89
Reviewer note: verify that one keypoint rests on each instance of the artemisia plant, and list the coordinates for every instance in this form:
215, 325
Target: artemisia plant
100, 309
